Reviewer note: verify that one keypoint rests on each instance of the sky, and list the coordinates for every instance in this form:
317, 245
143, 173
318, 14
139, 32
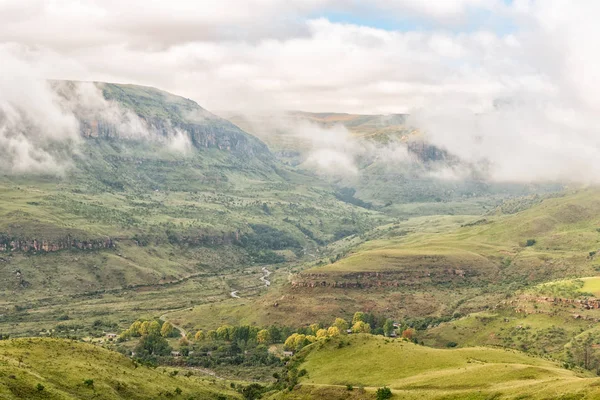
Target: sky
513, 85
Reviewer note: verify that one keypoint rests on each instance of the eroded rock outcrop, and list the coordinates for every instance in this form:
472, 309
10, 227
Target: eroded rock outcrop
8, 244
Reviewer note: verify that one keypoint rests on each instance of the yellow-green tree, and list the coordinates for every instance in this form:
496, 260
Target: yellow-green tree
333, 331
361, 327
314, 328
199, 336
224, 332
290, 342
154, 328
358, 316
144, 328
212, 335
167, 329
263, 337
322, 333
341, 324
136, 328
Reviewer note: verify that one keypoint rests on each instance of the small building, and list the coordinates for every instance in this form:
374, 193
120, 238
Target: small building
393, 334
111, 335
348, 331
288, 353
175, 354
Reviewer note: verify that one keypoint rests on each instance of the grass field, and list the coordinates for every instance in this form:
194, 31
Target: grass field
591, 285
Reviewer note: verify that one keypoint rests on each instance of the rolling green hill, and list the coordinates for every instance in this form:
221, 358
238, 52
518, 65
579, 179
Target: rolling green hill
58, 369
416, 372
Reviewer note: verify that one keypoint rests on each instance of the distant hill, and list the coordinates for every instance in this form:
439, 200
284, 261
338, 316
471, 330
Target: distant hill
386, 161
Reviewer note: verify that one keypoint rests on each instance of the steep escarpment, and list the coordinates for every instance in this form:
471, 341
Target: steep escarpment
164, 113
8, 244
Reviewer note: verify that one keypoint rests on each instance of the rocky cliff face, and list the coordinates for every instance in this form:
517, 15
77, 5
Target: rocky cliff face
364, 280
216, 134
137, 111
8, 244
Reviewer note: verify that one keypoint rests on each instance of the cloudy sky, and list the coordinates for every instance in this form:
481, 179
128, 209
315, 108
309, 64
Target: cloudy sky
378, 56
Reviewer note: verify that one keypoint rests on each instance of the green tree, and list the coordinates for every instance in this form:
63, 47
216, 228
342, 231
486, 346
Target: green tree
388, 327
275, 333
152, 345
252, 391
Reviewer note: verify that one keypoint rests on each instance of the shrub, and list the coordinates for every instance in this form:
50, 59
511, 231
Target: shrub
349, 387
40, 387
530, 242
384, 393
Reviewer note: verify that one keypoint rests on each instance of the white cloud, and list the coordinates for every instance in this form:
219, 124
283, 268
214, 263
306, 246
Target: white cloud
279, 54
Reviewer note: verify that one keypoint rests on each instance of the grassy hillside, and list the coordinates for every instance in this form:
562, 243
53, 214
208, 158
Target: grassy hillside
440, 266
58, 369
413, 371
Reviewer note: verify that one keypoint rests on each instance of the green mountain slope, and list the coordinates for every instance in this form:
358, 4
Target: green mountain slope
135, 214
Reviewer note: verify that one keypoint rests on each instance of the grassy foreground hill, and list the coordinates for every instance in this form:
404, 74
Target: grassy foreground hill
417, 372
63, 369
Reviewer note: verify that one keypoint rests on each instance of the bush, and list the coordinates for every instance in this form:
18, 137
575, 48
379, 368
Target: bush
349, 387
384, 393
40, 387
451, 344
530, 242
